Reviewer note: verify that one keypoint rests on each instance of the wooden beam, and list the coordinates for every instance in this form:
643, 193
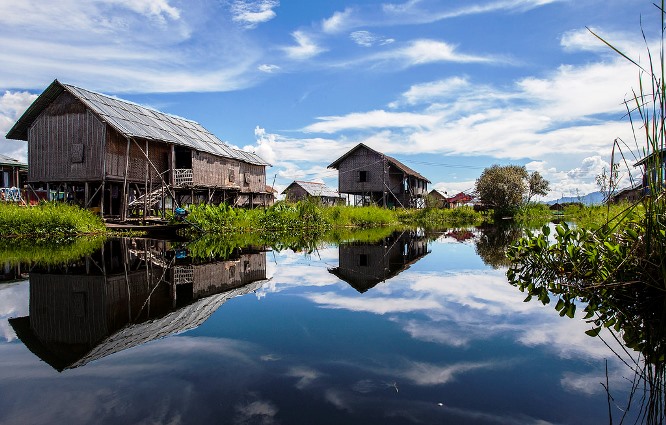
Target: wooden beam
123, 205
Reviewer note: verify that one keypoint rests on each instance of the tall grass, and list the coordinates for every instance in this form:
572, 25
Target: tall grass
312, 217
47, 221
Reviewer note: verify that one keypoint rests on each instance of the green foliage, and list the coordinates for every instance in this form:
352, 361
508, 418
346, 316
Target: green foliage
502, 188
310, 216
47, 221
536, 185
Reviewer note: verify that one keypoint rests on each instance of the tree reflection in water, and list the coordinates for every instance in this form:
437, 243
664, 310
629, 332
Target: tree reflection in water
493, 242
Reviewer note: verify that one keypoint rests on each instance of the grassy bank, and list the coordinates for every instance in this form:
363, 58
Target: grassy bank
47, 221
310, 217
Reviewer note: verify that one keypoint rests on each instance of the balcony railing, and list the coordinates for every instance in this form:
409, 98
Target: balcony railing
182, 177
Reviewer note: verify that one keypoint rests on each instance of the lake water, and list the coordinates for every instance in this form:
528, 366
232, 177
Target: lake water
413, 328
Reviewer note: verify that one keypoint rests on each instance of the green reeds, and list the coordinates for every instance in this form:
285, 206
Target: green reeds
47, 221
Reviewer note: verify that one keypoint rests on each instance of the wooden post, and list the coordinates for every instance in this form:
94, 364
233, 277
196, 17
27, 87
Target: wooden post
101, 204
145, 196
86, 196
123, 205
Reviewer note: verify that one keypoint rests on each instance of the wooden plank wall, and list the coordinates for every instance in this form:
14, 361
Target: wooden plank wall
253, 178
361, 160
115, 158
65, 122
213, 171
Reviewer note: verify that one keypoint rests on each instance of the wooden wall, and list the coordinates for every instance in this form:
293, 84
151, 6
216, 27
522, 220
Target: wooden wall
213, 171
362, 160
115, 159
65, 143
253, 178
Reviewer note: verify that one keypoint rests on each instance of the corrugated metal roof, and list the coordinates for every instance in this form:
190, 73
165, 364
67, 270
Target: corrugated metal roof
315, 189
136, 121
8, 160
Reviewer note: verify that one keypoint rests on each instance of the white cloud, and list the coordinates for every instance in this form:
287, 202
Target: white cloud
368, 39
251, 13
152, 8
377, 305
268, 68
306, 376
12, 105
339, 21
372, 119
424, 51
412, 12
429, 374
110, 46
305, 47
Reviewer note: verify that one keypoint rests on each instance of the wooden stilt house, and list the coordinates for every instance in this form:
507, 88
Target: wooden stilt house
373, 178
126, 159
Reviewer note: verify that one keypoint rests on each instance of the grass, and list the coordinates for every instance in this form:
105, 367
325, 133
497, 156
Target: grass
48, 221
48, 252
312, 218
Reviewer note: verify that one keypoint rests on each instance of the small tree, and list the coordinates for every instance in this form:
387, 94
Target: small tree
607, 182
536, 185
503, 187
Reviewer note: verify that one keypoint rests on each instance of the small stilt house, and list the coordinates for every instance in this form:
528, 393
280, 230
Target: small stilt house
122, 158
13, 174
300, 190
373, 178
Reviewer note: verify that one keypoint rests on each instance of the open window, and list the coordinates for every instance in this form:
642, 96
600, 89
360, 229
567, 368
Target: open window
363, 176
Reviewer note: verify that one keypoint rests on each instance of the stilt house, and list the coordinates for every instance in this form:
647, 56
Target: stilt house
13, 174
373, 178
300, 190
122, 158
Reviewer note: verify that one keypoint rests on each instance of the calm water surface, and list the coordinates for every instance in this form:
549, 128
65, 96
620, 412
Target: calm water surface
410, 329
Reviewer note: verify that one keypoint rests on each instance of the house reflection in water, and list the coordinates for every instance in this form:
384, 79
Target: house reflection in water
364, 265
128, 293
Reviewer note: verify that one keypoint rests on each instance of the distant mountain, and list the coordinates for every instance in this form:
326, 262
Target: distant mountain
589, 199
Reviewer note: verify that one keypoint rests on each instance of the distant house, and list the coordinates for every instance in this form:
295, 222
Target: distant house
119, 157
373, 178
628, 194
444, 201
459, 200
439, 198
300, 190
13, 172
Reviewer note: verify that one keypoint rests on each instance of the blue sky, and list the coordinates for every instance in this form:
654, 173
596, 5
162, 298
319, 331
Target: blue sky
448, 87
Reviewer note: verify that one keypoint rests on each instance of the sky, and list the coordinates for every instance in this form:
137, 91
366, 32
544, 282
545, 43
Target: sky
448, 87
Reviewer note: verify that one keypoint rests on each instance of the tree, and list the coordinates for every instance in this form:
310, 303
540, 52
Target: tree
536, 185
607, 182
502, 187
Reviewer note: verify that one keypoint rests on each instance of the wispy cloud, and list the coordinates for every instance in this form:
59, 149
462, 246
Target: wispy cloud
305, 47
251, 13
111, 46
372, 119
339, 21
368, 39
418, 11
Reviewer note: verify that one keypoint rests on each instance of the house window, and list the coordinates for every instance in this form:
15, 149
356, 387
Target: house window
232, 176
247, 178
362, 176
363, 260
77, 153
